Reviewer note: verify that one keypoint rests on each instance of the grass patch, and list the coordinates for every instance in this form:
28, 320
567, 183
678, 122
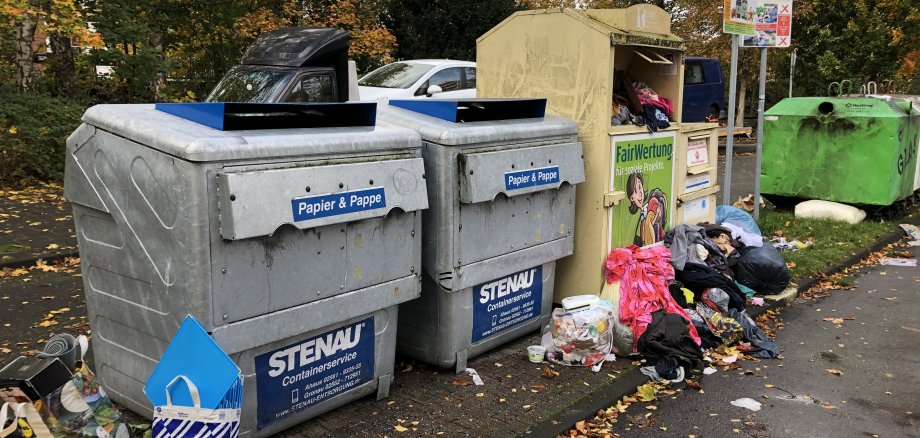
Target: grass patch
834, 241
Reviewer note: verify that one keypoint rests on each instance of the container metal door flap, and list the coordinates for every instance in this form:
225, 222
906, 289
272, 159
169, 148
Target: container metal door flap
256, 202
483, 175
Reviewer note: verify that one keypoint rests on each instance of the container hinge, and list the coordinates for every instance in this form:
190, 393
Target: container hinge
613, 198
697, 194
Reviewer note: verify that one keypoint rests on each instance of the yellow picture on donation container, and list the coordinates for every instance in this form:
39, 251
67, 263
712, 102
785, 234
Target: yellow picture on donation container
643, 168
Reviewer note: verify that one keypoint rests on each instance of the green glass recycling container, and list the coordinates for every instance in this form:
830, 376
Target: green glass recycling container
859, 150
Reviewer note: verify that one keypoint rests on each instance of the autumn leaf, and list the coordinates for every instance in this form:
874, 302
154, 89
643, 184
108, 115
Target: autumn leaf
835, 371
52, 246
646, 392
13, 130
550, 373
40, 264
400, 428
458, 382
693, 384
839, 320
5, 350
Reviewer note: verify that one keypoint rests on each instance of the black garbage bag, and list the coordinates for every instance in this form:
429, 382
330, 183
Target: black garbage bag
762, 269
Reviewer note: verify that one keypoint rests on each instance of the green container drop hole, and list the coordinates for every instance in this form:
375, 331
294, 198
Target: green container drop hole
825, 108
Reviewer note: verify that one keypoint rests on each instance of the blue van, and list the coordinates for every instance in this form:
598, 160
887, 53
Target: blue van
704, 93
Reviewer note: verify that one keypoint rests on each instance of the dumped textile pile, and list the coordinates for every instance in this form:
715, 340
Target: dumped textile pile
661, 328
691, 294
638, 104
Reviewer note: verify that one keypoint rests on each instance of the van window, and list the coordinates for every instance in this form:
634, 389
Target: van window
312, 88
693, 74
248, 84
470, 77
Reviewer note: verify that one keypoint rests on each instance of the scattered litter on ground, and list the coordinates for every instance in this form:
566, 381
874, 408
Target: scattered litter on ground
758, 301
747, 403
913, 232
782, 244
897, 261
476, 379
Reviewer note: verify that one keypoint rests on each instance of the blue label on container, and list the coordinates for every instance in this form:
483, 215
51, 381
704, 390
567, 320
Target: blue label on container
298, 376
315, 207
504, 303
531, 178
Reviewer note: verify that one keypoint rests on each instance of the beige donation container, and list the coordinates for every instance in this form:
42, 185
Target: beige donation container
696, 172
638, 183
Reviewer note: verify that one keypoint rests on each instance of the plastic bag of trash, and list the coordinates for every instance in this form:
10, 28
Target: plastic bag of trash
737, 216
580, 337
622, 334
762, 269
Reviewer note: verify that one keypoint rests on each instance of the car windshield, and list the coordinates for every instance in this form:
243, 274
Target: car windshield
395, 75
246, 84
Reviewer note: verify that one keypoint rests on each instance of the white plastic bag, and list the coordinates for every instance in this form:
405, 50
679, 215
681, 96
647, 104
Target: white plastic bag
817, 209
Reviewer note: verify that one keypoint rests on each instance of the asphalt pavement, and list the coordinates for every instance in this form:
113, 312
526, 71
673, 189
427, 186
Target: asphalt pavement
856, 376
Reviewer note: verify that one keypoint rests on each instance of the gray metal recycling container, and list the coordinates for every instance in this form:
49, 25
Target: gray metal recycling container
292, 247
502, 212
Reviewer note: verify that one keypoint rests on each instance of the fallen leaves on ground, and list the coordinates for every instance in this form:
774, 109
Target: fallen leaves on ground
550, 373
835, 371
458, 382
827, 283
839, 320
647, 392
44, 267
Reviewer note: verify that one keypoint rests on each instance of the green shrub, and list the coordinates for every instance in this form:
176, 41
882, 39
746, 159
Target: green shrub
33, 132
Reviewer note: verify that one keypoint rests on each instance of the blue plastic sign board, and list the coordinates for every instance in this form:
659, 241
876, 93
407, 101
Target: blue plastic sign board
507, 302
193, 354
300, 375
231, 116
475, 110
334, 204
532, 178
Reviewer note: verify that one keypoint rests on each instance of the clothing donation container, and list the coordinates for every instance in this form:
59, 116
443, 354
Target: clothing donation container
619, 74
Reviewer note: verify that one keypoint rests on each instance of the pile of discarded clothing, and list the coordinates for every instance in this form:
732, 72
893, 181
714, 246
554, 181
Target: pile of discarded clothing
662, 329
734, 248
637, 103
691, 294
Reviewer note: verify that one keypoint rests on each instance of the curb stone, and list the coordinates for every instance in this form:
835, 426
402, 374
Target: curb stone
50, 257
626, 383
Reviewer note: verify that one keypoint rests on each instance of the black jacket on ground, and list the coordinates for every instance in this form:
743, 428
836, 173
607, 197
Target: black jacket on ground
698, 278
669, 335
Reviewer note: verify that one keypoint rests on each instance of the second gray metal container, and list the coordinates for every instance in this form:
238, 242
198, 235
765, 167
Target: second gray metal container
502, 211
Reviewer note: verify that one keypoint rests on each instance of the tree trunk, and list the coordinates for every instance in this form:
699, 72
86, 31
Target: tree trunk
25, 34
739, 114
155, 42
64, 64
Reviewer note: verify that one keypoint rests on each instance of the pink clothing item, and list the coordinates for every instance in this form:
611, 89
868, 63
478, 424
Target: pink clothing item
644, 274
